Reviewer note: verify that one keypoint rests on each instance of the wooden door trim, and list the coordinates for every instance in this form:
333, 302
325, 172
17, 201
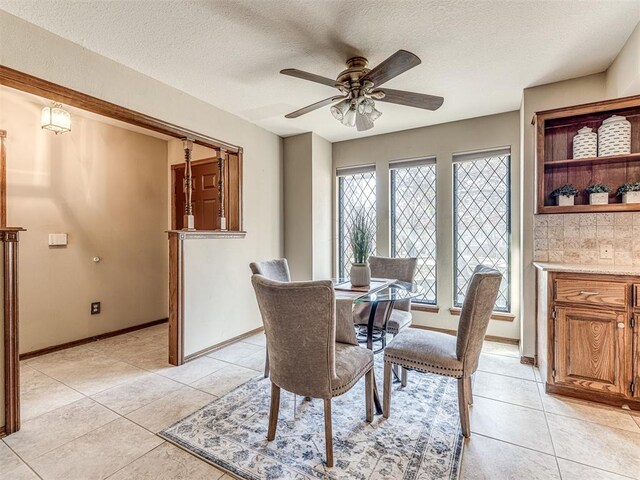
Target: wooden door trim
58, 93
3, 179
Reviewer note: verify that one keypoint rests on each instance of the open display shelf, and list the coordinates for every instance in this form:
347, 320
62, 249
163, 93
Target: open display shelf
555, 130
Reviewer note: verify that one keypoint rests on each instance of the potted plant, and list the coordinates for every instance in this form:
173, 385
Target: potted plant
630, 192
565, 195
598, 193
361, 245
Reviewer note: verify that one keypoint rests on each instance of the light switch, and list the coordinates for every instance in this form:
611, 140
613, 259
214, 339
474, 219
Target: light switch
57, 239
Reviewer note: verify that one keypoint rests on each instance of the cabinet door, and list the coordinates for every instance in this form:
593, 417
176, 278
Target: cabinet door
592, 349
635, 341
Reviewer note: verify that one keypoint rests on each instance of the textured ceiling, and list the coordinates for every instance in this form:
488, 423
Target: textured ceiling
479, 55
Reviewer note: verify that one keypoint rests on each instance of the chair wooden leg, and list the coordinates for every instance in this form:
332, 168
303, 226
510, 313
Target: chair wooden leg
273, 412
469, 392
266, 365
368, 394
463, 407
328, 433
386, 395
403, 379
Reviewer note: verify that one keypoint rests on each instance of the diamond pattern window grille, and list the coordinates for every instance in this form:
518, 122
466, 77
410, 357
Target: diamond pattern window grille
355, 193
482, 226
413, 223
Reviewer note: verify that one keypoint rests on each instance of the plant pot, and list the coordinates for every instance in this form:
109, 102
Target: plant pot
360, 274
599, 198
565, 201
631, 197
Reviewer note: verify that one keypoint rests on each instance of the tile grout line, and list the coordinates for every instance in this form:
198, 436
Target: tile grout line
22, 459
546, 421
138, 458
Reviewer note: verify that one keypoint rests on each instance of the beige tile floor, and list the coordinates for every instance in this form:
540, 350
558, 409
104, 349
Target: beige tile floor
93, 411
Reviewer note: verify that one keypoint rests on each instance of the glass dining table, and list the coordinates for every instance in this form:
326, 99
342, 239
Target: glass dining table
380, 294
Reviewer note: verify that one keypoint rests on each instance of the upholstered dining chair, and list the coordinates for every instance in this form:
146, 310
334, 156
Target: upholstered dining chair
403, 269
435, 352
309, 354
278, 270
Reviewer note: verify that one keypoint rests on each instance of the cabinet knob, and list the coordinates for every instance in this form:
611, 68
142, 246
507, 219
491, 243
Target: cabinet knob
620, 324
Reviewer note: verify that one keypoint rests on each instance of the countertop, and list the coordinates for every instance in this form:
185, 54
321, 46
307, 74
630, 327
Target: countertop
575, 268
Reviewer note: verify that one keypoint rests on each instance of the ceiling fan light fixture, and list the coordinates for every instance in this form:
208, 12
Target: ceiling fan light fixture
349, 119
340, 109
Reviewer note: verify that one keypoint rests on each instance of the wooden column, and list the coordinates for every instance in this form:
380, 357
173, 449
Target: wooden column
9, 238
221, 189
176, 298
189, 220
3, 179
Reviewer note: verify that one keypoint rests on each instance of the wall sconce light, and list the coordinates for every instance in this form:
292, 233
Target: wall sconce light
56, 119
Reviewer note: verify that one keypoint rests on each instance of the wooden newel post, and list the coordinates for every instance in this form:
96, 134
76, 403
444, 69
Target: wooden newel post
221, 187
189, 220
9, 240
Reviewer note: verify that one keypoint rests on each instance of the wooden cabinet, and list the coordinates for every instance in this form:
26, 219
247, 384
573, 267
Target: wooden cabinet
591, 349
555, 165
591, 336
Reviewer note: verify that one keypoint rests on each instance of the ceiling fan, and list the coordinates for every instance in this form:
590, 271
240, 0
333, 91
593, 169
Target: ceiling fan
360, 87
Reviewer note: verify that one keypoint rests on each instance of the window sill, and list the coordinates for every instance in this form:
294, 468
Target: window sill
504, 316
421, 307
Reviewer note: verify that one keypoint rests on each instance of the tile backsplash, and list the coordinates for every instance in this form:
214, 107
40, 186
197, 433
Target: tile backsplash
588, 238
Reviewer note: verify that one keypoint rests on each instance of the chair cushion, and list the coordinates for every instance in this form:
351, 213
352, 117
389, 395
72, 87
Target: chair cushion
426, 351
398, 320
352, 362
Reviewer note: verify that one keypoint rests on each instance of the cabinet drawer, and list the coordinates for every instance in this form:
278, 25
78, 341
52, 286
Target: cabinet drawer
589, 292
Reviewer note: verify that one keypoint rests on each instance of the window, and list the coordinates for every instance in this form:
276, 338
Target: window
482, 226
413, 219
356, 192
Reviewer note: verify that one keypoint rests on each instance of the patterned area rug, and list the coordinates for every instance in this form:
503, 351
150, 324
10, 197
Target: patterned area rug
421, 440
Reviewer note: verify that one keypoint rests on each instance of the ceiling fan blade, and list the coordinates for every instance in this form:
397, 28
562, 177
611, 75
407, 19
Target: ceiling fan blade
315, 106
411, 99
398, 63
312, 77
363, 122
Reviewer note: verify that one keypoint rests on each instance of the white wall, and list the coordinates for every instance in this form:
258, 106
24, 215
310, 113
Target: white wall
441, 141
30, 49
298, 205
623, 76
105, 187
308, 218
322, 188
554, 95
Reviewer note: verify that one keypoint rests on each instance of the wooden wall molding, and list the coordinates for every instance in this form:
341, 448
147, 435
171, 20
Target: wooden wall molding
94, 338
221, 345
43, 88
503, 316
490, 338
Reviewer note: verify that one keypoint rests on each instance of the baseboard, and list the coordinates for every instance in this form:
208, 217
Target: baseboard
527, 360
3, 431
631, 403
95, 338
220, 345
491, 338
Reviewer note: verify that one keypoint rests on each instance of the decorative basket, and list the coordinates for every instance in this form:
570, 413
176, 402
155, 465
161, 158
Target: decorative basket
614, 136
585, 143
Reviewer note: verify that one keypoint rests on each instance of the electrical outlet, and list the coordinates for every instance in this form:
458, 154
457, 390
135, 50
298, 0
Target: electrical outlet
95, 308
606, 251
